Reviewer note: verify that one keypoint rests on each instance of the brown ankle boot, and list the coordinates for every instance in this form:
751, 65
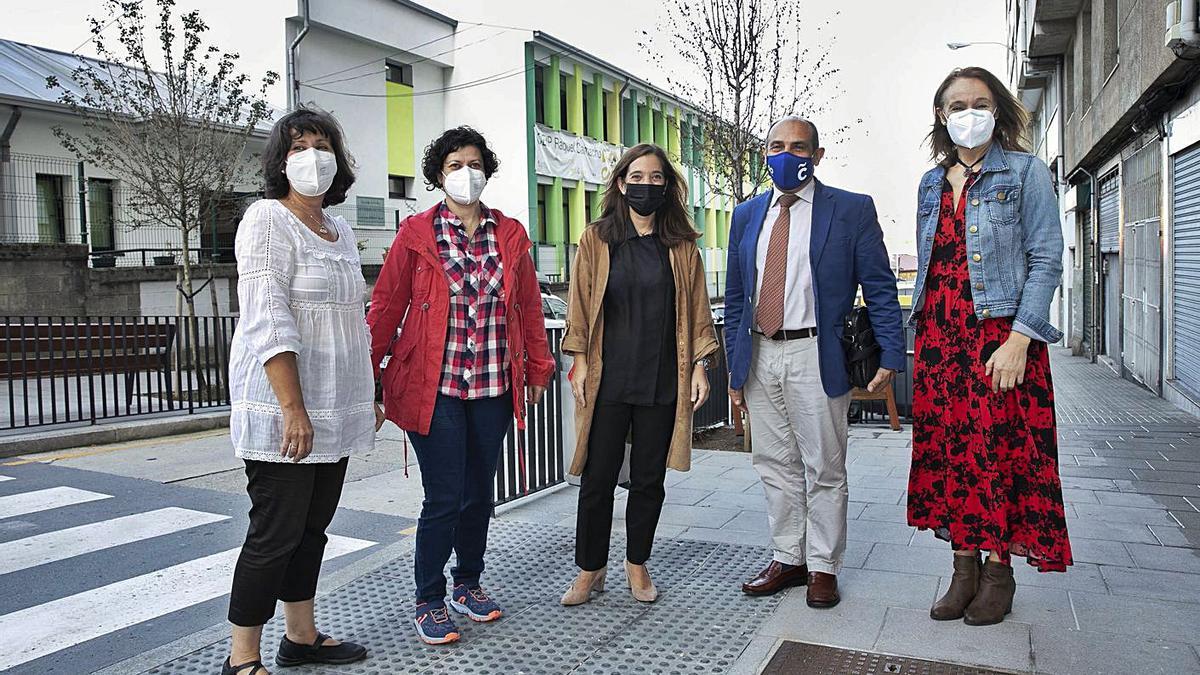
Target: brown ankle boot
963, 587
995, 597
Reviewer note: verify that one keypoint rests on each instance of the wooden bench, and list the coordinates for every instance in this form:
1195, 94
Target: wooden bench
47, 350
888, 395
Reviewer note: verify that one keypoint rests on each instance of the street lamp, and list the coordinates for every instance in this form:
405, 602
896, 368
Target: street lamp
960, 45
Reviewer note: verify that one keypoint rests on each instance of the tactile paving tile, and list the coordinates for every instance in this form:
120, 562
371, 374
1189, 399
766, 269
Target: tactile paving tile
801, 657
700, 624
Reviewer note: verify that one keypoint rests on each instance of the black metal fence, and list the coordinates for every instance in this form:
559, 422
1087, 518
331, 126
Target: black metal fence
63, 370
536, 462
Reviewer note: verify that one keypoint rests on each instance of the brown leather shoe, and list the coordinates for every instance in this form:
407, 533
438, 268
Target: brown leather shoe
822, 590
775, 578
995, 597
963, 587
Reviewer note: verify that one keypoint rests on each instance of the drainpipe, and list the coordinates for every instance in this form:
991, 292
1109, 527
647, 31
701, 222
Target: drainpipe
5, 157
294, 88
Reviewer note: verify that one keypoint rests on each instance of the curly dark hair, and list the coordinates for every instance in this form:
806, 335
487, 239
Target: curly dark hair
450, 141
292, 126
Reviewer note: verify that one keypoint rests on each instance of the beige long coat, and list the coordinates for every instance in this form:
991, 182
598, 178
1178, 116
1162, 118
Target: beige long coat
585, 335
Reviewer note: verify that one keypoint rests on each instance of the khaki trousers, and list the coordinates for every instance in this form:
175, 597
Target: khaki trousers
799, 450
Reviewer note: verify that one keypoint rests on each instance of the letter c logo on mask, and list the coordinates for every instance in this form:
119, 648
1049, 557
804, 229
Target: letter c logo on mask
789, 171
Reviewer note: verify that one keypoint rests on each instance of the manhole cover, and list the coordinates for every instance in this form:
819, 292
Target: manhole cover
801, 657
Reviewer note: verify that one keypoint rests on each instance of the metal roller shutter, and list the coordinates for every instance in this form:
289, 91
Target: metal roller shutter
1185, 172
1110, 213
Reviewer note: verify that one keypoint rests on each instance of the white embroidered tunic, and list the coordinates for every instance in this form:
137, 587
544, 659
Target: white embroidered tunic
299, 293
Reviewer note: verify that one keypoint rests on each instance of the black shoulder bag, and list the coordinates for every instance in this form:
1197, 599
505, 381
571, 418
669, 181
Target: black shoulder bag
863, 352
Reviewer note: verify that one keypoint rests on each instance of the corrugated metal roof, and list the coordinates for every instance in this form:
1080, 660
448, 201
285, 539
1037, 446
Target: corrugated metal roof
24, 69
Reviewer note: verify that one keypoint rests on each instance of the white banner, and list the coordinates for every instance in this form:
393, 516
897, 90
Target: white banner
566, 155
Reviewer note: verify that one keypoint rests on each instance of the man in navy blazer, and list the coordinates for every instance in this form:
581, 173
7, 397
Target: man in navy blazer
797, 255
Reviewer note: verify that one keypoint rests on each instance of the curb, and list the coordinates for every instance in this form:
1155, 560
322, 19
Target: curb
117, 432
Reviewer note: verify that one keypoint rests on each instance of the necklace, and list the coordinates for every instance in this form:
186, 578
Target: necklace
968, 169
304, 218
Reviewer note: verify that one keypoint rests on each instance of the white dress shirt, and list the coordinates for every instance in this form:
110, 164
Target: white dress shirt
799, 301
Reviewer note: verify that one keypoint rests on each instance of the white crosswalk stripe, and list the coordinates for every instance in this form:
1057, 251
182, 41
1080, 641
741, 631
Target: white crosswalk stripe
44, 500
62, 544
56, 625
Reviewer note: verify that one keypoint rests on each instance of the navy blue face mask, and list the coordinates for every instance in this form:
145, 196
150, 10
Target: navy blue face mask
789, 171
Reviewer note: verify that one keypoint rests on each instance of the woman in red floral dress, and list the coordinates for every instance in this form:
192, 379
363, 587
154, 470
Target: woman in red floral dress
985, 460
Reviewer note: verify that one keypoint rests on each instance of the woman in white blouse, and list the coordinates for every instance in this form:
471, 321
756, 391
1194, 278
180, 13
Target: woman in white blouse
301, 386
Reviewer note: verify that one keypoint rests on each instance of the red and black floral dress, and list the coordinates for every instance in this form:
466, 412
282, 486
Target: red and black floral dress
985, 465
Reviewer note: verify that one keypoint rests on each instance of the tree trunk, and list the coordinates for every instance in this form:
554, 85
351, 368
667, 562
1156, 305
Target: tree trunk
192, 324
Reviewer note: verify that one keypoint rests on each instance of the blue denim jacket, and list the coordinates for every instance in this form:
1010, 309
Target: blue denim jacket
1014, 240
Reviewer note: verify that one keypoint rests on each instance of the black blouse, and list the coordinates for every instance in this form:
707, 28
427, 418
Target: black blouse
639, 323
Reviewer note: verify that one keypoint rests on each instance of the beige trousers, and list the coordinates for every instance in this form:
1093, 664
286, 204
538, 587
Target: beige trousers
799, 450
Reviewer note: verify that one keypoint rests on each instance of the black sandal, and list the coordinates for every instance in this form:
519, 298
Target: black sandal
293, 654
228, 668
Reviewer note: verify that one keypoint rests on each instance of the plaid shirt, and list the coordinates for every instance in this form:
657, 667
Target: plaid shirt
476, 359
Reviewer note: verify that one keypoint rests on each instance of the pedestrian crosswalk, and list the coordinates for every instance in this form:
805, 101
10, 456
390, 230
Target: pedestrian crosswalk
64, 622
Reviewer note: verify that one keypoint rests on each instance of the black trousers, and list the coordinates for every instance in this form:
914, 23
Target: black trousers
290, 507
652, 429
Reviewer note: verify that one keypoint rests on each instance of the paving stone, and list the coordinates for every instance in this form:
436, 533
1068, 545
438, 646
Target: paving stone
1100, 552
1123, 514
725, 536
1189, 519
1177, 536
1165, 558
1158, 488
892, 513
856, 553
1121, 614
876, 495
879, 482
1042, 606
1117, 462
742, 501
893, 589
685, 496
1059, 650
1076, 496
877, 530
1142, 501
726, 458
910, 632
1180, 465
927, 539
1185, 477
1079, 577
1090, 528
1069, 482
1144, 583
749, 521
1097, 472
910, 559
725, 483
853, 624
695, 516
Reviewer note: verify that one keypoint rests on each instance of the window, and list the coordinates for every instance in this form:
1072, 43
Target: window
400, 73
587, 112
604, 120
539, 233
51, 216
539, 93
562, 101
100, 213
400, 187
1087, 62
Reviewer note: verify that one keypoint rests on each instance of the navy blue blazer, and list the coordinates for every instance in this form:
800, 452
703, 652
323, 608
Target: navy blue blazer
846, 250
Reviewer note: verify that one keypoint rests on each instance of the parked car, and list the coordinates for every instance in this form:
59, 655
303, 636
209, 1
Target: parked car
554, 309
718, 312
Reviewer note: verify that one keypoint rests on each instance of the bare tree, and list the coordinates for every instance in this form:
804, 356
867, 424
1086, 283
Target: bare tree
175, 134
747, 65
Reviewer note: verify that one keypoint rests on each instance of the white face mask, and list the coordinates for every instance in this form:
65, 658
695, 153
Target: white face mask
311, 171
971, 128
464, 185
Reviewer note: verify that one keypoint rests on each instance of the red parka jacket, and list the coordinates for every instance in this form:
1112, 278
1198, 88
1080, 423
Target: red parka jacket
412, 295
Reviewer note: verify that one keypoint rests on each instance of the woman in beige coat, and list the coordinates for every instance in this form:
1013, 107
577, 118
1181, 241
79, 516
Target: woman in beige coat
641, 331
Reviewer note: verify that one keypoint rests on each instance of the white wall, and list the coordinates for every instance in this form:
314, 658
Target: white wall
496, 110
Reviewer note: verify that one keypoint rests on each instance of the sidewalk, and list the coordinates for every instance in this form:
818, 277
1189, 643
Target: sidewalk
1131, 604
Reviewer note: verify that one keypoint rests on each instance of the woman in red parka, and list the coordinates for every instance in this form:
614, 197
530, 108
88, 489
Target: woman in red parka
459, 286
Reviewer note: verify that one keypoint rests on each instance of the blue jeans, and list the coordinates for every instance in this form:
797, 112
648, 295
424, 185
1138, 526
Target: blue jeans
458, 467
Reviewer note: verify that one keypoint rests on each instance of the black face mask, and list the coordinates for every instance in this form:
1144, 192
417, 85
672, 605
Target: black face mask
645, 198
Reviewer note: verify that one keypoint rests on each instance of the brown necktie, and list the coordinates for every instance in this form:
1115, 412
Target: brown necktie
774, 274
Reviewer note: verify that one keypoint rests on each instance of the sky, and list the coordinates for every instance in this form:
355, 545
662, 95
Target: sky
892, 56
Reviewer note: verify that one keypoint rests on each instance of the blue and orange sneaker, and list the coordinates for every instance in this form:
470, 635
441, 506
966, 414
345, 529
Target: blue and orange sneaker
475, 603
434, 625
